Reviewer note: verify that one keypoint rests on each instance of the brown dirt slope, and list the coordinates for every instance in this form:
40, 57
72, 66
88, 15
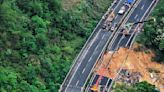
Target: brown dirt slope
138, 62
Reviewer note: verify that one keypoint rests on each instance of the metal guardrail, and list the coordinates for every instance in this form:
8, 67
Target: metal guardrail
143, 23
89, 39
85, 45
109, 40
125, 20
120, 25
150, 11
130, 48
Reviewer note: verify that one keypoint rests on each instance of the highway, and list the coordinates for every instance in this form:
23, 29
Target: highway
96, 44
94, 76
134, 34
87, 59
140, 13
105, 82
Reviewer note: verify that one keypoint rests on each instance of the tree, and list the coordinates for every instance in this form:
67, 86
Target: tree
153, 36
145, 87
123, 88
138, 87
39, 40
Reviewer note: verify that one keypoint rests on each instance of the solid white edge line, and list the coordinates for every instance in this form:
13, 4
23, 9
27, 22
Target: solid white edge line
83, 71
77, 82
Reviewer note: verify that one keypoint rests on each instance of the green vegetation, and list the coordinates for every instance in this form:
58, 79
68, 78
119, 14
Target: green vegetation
138, 87
153, 36
39, 40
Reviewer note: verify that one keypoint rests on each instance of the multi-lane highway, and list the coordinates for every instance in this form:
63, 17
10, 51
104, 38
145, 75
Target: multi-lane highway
138, 27
140, 12
97, 42
85, 62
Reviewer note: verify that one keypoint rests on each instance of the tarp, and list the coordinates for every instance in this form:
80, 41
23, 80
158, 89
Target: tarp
129, 1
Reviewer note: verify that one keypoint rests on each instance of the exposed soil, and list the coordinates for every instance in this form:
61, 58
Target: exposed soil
137, 61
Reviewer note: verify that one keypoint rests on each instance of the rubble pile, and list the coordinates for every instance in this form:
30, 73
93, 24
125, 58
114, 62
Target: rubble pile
129, 77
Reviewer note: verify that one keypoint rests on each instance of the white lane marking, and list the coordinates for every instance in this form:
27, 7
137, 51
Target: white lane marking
95, 37
89, 84
83, 55
117, 5
103, 37
97, 47
94, 51
136, 16
140, 20
77, 82
116, 16
84, 50
83, 71
123, 23
105, 89
142, 7
90, 59
80, 62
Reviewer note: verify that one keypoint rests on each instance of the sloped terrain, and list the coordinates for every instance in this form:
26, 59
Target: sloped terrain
137, 61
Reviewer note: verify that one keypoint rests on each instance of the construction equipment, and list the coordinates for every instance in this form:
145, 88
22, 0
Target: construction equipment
108, 21
111, 17
95, 87
126, 28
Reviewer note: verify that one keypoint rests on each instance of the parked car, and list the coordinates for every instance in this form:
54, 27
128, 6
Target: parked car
128, 2
113, 27
115, 1
122, 10
106, 26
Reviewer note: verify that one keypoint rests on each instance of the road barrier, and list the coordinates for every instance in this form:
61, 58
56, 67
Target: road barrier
85, 45
107, 43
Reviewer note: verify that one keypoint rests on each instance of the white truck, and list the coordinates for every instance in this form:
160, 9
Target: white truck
122, 10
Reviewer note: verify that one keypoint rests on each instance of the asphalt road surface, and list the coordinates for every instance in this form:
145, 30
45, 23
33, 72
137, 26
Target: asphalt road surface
140, 13
88, 57
104, 82
80, 71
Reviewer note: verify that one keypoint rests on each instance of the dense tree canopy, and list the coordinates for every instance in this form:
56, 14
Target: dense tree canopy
39, 40
153, 36
138, 87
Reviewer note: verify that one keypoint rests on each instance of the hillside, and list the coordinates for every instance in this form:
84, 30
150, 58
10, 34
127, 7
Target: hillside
40, 38
135, 62
153, 36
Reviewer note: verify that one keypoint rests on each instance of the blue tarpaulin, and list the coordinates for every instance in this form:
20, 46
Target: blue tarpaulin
130, 1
